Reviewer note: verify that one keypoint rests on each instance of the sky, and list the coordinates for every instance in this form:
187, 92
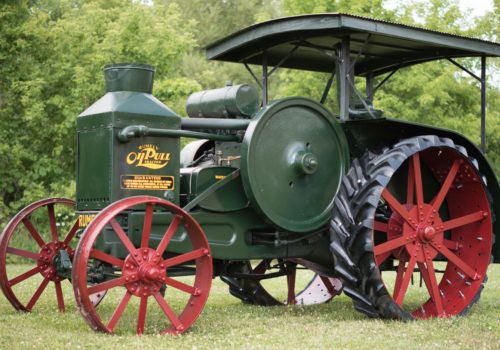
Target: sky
479, 7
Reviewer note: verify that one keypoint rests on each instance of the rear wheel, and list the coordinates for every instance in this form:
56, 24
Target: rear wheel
266, 292
415, 204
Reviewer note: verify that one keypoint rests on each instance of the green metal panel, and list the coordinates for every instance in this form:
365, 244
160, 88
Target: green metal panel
94, 168
370, 133
391, 44
293, 158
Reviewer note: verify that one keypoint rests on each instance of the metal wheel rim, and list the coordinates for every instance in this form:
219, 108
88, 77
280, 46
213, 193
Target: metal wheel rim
7, 233
418, 239
202, 282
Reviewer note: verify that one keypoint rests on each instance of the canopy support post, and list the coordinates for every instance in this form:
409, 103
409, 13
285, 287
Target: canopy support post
369, 85
264, 78
344, 83
483, 104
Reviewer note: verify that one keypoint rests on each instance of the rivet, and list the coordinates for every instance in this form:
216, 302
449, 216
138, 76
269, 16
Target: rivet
127, 279
127, 266
145, 294
191, 303
162, 265
135, 254
145, 251
132, 289
145, 257
186, 225
485, 214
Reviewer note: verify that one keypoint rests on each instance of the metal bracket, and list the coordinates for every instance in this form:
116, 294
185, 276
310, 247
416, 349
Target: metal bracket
359, 95
328, 53
211, 190
383, 81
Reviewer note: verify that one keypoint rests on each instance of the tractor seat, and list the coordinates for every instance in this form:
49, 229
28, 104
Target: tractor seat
360, 112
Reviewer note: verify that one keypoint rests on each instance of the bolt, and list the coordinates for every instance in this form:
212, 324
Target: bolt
197, 292
460, 292
468, 283
180, 328
448, 281
479, 239
441, 292
205, 251
461, 276
485, 214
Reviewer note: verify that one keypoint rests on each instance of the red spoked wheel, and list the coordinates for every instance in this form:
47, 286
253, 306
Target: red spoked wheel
450, 219
144, 270
32, 239
268, 291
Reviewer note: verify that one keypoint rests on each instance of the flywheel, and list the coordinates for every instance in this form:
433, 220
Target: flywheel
294, 155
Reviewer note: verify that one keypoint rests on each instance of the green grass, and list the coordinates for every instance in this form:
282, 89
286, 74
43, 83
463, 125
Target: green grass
227, 323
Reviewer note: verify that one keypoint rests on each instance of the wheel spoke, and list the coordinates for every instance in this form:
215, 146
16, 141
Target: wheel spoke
37, 294
291, 287
397, 207
23, 276
122, 235
446, 187
71, 232
457, 261
143, 307
106, 258
52, 219
392, 244
426, 278
120, 281
60, 299
450, 244
168, 235
148, 220
179, 285
382, 257
328, 284
434, 287
186, 257
399, 278
462, 221
33, 232
260, 269
119, 310
167, 310
407, 277
418, 179
379, 226
411, 183
23, 253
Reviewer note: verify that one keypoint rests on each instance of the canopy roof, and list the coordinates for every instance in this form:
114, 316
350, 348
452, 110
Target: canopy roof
391, 45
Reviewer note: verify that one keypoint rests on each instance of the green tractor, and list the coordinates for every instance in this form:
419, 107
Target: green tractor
285, 183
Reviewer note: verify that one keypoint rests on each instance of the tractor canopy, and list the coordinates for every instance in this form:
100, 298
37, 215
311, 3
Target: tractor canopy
391, 45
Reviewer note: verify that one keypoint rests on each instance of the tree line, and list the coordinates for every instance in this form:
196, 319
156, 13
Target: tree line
52, 53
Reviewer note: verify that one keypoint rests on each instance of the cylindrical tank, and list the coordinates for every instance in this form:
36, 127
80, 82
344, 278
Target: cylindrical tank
136, 77
228, 102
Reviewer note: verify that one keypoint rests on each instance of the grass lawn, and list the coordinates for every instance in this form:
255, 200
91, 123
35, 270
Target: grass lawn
227, 323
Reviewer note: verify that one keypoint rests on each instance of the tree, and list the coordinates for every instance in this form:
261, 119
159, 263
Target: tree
52, 71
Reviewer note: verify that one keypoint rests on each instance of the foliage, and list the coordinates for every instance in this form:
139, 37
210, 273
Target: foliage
52, 71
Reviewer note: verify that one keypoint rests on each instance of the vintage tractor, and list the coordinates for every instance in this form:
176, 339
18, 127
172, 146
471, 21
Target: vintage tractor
287, 182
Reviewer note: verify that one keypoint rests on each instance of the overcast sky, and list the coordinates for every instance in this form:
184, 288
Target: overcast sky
479, 6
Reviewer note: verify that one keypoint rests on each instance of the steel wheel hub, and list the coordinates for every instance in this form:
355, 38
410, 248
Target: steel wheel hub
147, 269
46, 257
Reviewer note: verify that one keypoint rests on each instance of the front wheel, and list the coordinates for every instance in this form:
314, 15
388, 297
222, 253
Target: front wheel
143, 272
422, 205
